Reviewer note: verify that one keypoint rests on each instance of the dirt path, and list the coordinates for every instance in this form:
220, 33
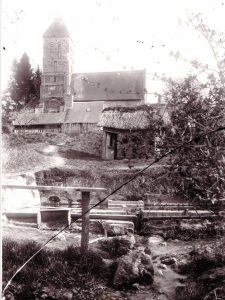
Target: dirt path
24, 234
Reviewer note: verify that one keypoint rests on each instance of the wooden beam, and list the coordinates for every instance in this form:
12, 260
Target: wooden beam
85, 220
54, 188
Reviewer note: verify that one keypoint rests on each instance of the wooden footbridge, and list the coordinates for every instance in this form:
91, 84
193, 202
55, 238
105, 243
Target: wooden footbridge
116, 213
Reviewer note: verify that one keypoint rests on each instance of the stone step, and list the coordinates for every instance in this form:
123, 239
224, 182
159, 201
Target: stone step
116, 217
54, 218
13, 223
163, 197
99, 211
24, 217
176, 213
121, 202
117, 207
167, 203
108, 226
170, 207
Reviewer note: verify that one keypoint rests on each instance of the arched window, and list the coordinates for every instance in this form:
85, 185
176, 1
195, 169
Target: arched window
51, 47
55, 66
59, 50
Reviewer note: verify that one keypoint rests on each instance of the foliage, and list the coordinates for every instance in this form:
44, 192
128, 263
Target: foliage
204, 269
52, 272
137, 144
198, 169
8, 105
23, 90
216, 45
189, 233
116, 247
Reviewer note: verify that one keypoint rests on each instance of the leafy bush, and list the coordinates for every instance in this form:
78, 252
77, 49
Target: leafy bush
190, 233
198, 169
116, 247
206, 258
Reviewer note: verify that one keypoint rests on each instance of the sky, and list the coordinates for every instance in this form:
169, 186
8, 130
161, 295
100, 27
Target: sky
112, 35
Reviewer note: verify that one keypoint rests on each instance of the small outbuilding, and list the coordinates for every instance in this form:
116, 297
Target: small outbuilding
129, 132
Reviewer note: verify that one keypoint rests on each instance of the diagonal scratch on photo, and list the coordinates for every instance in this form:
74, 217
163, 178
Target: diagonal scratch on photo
113, 150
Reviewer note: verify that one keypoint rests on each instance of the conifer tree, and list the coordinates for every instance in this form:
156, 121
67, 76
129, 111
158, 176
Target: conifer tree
24, 86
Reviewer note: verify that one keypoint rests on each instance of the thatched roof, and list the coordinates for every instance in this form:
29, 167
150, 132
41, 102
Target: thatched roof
127, 120
132, 118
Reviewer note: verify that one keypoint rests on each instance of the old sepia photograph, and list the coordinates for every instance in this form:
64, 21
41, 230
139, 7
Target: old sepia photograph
112, 149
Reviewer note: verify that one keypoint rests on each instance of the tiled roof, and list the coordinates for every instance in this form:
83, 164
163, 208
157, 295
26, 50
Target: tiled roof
121, 85
85, 112
81, 112
39, 118
57, 29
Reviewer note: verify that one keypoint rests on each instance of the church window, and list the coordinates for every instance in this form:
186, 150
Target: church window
54, 78
55, 66
51, 47
59, 50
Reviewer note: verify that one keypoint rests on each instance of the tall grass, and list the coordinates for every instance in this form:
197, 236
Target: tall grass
59, 270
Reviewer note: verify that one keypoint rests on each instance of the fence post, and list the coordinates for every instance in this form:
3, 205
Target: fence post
85, 220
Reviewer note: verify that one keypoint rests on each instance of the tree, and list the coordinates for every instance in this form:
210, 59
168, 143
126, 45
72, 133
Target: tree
23, 91
36, 80
216, 43
25, 83
21, 85
198, 169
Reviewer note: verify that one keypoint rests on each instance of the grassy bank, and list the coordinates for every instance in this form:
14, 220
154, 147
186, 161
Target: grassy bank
52, 274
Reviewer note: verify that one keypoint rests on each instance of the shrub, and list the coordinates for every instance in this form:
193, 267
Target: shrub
203, 259
116, 247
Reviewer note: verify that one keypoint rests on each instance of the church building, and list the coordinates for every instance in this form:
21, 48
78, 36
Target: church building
73, 102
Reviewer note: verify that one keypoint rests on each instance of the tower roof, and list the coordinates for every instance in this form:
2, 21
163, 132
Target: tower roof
57, 29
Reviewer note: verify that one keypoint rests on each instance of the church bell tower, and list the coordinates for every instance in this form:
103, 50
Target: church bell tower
58, 65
